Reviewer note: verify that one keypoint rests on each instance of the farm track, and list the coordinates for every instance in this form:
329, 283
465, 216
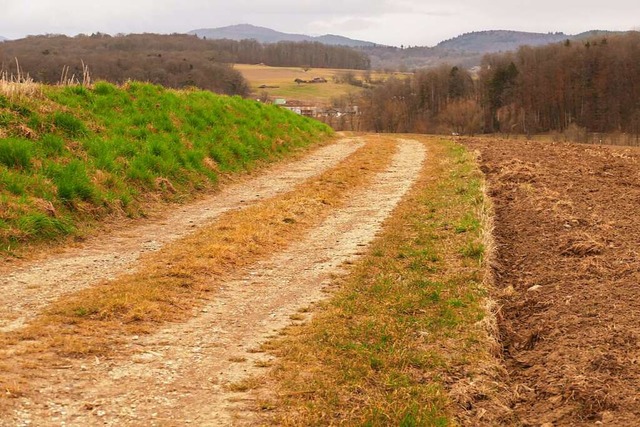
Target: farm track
28, 288
195, 372
567, 234
567, 273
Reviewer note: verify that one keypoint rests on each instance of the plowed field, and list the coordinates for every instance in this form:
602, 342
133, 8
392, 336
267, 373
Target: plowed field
568, 235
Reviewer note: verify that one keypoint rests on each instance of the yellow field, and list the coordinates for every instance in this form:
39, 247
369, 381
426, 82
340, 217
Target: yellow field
314, 93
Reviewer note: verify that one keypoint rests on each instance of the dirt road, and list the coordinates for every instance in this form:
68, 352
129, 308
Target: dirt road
567, 231
27, 289
195, 372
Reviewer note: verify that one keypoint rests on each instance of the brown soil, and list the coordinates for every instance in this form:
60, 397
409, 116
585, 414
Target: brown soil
568, 233
195, 372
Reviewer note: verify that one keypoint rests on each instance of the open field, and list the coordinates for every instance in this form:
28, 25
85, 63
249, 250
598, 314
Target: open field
315, 93
568, 273
283, 77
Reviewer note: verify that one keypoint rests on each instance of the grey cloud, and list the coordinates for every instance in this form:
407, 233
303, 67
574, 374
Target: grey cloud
342, 25
384, 21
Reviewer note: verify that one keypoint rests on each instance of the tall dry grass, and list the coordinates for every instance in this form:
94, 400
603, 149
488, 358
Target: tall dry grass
18, 85
72, 80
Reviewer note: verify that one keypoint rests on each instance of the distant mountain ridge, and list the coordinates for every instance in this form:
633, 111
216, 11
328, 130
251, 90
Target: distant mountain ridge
3, 39
267, 35
498, 41
464, 50
468, 49
504, 40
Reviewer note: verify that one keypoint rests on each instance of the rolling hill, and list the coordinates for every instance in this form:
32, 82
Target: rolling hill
503, 40
465, 50
3, 39
267, 35
499, 41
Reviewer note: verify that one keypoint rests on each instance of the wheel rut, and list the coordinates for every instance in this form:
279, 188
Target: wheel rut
197, 372
29, 288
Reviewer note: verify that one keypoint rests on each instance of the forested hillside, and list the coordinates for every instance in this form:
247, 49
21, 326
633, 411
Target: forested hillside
173, 61
593, 84
170, 60
290, 54
466, 50
499, 40
590, 85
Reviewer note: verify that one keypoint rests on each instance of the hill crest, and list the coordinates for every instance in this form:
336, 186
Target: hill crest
267, 35
499, 41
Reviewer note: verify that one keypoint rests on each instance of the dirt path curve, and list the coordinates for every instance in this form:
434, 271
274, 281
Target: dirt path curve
30, 288
185, 374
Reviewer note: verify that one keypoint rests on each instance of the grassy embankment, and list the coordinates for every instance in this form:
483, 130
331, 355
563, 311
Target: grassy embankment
71, 155
407, 340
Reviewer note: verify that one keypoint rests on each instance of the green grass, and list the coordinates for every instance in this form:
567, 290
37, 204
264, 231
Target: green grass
473, 250
68, 124
43, 225
93, 152
15, 153
388, 347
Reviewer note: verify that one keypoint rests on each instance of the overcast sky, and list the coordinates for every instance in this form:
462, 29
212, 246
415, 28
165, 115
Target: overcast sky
392, 22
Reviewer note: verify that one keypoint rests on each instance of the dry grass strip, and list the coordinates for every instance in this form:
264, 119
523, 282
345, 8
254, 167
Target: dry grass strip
19, 86
409, 337
172, 283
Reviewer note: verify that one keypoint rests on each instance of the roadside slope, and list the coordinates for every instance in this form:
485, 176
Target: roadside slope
71, 156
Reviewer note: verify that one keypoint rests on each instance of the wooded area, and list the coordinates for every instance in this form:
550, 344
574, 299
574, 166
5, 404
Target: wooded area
429, 101
592, 86
170, 60
290, 54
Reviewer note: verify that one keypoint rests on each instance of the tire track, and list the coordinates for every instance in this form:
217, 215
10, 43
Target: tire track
28, 289
192, 373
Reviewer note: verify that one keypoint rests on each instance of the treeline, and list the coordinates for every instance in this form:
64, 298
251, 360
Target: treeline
591, 85
291, 54
169, 60
403, 59
594, 85
174, 61
434, 100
